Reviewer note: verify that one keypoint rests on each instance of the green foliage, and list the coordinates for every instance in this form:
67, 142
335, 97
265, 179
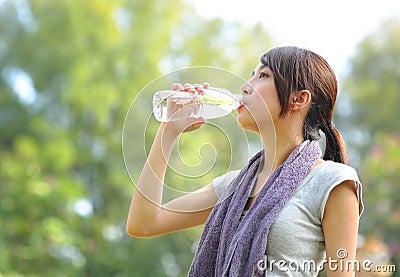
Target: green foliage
65, 193
374, 80
373, 85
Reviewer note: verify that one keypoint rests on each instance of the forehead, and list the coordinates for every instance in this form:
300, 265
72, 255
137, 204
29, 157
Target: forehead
261, 67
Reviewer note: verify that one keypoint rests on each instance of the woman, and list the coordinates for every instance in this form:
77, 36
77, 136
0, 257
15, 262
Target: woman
287, 207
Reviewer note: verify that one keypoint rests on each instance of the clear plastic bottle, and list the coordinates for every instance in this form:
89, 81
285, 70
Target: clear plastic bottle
210, 102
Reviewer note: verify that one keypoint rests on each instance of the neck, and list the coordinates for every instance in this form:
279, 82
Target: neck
278, 146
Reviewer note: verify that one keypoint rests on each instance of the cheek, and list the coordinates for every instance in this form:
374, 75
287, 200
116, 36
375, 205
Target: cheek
263, 110
270, 106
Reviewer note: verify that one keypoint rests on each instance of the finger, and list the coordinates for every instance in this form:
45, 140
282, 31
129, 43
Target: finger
189, 88
192, 128
177, 86
198, 86
200, 120
196, 125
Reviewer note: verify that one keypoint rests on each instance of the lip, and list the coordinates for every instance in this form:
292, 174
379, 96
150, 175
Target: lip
241, 106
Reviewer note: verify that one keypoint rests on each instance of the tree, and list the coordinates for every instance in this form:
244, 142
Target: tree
373, 85
70, 70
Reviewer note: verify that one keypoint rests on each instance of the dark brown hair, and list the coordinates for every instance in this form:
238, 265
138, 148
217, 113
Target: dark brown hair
297, 69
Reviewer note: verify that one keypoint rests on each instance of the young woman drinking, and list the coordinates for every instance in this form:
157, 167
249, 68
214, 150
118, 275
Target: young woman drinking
290, 208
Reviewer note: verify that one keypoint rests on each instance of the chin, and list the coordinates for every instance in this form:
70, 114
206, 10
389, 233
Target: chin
247, 124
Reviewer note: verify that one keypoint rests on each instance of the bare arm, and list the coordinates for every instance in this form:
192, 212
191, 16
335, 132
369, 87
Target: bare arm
340, 226
147, 216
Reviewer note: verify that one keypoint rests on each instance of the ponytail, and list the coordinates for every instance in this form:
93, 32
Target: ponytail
335, 149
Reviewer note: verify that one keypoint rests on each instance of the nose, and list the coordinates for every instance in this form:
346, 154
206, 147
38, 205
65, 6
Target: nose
245, 88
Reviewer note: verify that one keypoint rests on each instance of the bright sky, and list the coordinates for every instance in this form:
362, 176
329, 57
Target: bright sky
331, 29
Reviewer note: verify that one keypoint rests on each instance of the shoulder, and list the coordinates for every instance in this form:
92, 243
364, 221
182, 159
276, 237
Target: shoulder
334, 171
327, 177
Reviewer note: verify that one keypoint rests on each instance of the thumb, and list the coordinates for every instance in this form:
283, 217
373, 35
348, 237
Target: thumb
197, 122
200, 120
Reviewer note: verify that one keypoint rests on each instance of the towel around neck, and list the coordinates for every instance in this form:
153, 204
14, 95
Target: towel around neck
233, 247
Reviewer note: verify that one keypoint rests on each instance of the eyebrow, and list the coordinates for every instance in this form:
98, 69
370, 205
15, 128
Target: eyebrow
261, 67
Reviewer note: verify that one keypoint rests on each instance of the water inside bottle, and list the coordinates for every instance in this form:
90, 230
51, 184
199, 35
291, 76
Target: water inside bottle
219, 102
172, 105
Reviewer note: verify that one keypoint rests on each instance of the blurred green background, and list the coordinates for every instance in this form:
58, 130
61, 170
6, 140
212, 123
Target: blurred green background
69, 71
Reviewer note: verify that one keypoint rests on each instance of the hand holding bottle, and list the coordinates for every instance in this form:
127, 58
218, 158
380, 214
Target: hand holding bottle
182, 111
194, 101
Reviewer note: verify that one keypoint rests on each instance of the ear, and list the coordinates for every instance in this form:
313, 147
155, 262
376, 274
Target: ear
301, 99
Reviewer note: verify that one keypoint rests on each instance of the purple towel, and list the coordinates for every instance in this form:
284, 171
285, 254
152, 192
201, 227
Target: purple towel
232, 247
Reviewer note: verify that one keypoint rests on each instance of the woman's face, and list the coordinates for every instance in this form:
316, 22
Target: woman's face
260, 107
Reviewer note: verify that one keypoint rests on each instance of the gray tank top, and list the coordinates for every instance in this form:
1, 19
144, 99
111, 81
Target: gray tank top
295, 243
